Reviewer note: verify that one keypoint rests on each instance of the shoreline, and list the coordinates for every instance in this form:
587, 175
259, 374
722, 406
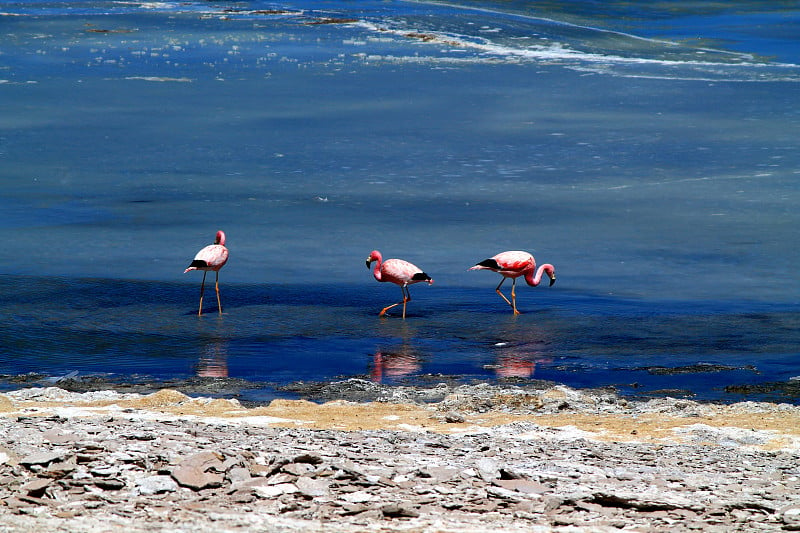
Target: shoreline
483, 457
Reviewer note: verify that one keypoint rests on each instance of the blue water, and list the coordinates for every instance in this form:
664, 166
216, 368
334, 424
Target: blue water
648, 150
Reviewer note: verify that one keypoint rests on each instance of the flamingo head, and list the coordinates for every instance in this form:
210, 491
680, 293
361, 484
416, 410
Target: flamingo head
551, 273
220, 238
374, 255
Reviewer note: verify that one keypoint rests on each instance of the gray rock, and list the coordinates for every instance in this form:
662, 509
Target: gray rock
394, 510
110, 483
452, 417
238, 475
297, 469
790, 517
155, 485
36, 487
200, 471
440, 474
42, 458
487, 468
312, 487
273, 491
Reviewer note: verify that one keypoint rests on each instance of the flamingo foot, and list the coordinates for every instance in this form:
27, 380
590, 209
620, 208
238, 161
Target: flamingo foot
383, 311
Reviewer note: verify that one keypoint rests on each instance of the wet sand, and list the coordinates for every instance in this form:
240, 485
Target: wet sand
445, 458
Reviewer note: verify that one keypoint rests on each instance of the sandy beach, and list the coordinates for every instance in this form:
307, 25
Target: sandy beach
443, 458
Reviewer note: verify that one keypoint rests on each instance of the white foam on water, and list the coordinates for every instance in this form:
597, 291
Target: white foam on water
742, 67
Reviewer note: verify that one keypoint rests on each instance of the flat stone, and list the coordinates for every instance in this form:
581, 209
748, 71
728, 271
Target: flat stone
297, 469
273, 491
193, 472
7, 456
500, 492
110, 483
277, 479
59, 469
790, 514
204, 461
243, 496
359, 496
440, 474
42, 458
526, 486
36, 487
60, 437
104, 471
156, 485
308, 458
394, 510
196, 479
312, 487
238, 475
452, 417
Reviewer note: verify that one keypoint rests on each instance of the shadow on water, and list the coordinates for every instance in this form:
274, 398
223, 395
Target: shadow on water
104, 333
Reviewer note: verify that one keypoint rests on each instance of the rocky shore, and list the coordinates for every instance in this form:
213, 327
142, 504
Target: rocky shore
448, 458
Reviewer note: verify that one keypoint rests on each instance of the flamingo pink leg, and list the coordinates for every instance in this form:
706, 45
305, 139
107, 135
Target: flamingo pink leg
406, 299
514, 296
219, 302
202, 290
513, 301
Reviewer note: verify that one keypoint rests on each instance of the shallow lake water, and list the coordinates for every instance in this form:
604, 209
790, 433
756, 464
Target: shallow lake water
650, 155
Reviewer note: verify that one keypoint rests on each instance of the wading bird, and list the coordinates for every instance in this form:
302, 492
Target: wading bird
212, 257
513, 265
398, 272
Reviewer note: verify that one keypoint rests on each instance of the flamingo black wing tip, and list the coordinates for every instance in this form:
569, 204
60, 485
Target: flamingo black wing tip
489, 263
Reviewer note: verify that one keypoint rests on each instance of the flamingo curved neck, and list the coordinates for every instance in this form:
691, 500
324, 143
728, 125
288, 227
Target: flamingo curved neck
376, 257
534, 281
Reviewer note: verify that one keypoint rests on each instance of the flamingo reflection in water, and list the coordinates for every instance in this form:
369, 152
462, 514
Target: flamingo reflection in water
213, 362
393, 365
518, 360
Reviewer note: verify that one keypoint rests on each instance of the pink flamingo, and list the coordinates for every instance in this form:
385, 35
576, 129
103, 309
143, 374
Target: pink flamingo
513, 265
212, 257
398, 272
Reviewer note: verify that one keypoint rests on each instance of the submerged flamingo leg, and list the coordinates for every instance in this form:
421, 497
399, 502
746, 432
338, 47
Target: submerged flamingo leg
383, 311
406, 299
514, 296
219, 303
503, 296
202, 290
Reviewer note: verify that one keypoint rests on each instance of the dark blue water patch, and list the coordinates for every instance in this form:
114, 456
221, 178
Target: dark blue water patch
19, 213
272, 335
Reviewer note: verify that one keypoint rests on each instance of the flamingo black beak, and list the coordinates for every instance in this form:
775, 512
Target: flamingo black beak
552, 279
369, 261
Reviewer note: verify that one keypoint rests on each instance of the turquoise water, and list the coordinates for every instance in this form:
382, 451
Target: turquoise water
649, 153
